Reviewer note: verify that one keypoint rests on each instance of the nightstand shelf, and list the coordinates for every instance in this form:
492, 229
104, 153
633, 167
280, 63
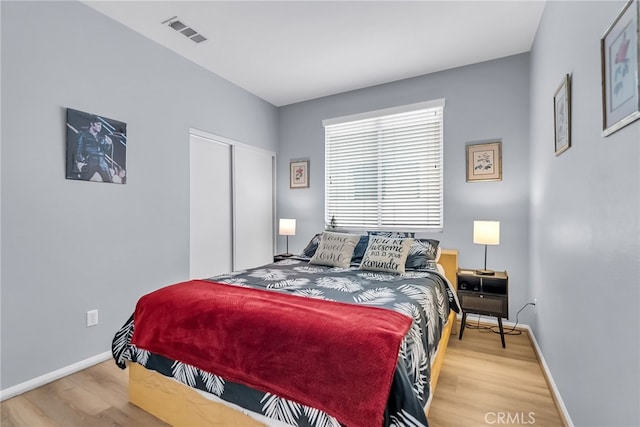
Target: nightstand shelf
483, 294
281, 257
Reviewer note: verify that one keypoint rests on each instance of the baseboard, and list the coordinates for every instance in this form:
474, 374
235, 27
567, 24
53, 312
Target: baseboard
52, 376
554, 389
555, 393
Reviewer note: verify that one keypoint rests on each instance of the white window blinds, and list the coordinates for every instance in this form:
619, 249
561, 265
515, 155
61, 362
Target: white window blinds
383, 169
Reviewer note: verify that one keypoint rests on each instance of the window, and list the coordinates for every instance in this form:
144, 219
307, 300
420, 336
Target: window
383, 169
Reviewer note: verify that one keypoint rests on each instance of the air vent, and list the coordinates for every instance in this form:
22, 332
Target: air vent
177, 25
183, 28
189, 32
198, 38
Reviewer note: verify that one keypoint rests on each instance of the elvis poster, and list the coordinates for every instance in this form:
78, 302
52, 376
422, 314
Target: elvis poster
96, 148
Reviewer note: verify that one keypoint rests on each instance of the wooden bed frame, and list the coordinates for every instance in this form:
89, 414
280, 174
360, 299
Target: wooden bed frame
180, 405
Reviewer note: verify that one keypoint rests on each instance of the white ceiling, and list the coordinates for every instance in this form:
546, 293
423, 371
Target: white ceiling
292, 51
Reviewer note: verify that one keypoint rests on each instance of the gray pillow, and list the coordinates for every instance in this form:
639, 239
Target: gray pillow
335, 249
386, 254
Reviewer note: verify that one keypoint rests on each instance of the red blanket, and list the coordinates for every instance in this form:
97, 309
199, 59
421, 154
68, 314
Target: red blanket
336, 357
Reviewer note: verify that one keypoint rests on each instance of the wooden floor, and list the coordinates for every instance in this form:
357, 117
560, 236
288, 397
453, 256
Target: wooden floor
480, 384
97, 396
483, 384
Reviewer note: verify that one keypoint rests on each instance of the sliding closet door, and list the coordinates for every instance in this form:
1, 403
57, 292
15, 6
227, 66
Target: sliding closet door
253, 176
210, 197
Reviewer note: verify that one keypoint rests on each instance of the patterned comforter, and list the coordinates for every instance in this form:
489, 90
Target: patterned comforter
420, 294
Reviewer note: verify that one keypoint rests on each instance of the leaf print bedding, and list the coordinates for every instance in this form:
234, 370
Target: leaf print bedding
421, 295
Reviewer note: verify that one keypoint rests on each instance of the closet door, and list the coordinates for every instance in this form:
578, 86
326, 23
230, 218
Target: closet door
253, 175
210, 199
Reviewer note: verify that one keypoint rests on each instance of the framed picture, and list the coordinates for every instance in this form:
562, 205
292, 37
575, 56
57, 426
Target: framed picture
299, 174
96, 148
484, 162
619, 58
562, 116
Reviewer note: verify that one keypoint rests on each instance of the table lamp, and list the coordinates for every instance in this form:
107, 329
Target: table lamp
287, 228
486, 233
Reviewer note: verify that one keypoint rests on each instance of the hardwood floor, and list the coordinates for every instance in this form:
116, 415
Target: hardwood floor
97, 396
483, 384
480, 384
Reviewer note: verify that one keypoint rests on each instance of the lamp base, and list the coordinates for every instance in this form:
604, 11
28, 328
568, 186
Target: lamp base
485, 272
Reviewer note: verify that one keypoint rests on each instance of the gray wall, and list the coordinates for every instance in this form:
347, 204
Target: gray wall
484, 102
585, 226
71, 246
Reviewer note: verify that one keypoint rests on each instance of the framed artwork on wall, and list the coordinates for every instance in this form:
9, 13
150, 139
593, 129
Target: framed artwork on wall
619, 47
562, 116
96, 148
299, 174
484, 162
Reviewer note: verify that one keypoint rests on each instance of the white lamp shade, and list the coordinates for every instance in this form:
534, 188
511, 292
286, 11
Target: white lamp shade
486, 232
287, 227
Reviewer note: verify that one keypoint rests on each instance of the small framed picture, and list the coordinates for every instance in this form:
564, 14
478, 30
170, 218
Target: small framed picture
299, 174
619, 61
562, 116
484, 162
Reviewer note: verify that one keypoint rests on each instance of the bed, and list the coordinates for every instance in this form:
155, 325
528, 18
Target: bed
379, 367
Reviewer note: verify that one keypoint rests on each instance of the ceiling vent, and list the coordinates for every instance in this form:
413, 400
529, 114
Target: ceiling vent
186, 31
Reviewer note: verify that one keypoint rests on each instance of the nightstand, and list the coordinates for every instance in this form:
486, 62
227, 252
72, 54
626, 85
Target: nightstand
281, 257
483, 294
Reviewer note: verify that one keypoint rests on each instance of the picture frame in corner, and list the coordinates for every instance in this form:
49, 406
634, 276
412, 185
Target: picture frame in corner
484, 162
620, 62
562, 116
299, 174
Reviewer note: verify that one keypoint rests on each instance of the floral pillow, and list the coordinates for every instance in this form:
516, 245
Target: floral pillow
312, 246
386, 254
360, 249
422, 254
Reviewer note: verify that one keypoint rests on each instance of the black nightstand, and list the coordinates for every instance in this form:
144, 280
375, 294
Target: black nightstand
281, 257
483, 294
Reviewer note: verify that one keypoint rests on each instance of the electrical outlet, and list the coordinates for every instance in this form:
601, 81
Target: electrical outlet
535, 305
92, 318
